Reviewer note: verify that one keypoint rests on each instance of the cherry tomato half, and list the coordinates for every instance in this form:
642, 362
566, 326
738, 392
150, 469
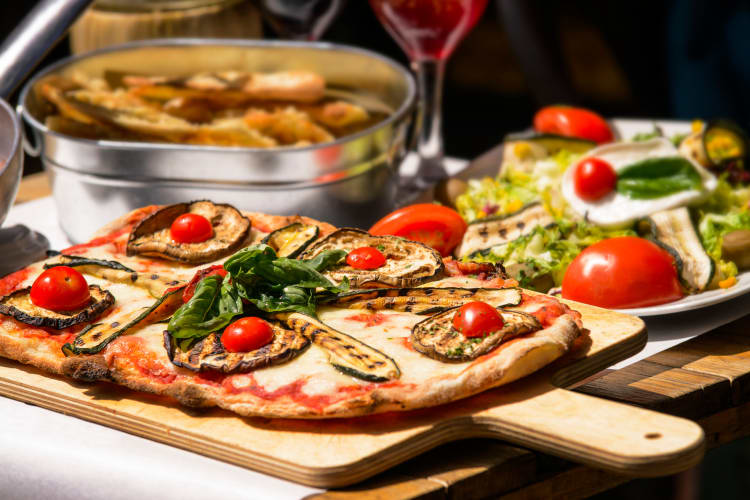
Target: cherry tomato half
622, 272
365, 258
189, 290
60, 288
477, 319
594, 178
247, 334
191, 228
573, 122
435, 225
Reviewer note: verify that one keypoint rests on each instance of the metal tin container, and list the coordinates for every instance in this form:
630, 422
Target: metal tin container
11, 158
350, 181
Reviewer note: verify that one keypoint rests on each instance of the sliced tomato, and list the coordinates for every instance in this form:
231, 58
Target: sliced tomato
622, 272
477, 319
573, 122
191, 228
189, 291
247, 334
594, 178
60, 288
435, 225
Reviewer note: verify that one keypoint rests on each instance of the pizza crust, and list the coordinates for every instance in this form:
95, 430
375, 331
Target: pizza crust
309, 389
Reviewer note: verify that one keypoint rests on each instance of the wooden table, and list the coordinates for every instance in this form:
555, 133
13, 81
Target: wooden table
706, 379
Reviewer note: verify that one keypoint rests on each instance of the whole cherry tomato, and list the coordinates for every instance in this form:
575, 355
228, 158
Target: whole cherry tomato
477, 319
189, 290
365, 258
622, 272
573, 122
435, 225
247, 334
191, 228
60, 288
594, 178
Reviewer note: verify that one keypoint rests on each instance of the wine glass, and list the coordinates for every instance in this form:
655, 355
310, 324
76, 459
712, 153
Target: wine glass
428, 31
300, 19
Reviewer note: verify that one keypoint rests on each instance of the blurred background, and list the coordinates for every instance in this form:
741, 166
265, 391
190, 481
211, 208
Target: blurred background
670, 59
678, 59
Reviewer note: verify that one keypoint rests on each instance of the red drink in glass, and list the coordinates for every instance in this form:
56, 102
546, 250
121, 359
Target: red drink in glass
428, 29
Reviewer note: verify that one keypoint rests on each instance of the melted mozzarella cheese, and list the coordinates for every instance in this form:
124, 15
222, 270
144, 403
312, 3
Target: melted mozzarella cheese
617, 210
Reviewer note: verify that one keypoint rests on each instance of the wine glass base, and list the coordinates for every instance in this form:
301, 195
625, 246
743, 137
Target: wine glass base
19, 247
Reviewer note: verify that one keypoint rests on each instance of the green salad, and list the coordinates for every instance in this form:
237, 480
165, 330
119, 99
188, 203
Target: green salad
537, 252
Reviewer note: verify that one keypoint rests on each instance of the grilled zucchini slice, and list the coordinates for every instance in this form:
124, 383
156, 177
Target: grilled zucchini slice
152, 238
424, 300
674, 231
209, 353
115, 272
18, 305
553, 143
436, 338
291, 240
347, 354
408, 263
94, 338
490, 232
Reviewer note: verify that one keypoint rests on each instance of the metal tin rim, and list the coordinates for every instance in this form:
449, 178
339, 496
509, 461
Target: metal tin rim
16, 140
405, 107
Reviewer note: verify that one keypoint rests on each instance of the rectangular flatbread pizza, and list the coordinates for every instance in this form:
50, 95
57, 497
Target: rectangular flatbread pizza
276, 316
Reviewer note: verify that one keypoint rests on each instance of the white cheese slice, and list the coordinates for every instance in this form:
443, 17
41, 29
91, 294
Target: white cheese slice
617, 210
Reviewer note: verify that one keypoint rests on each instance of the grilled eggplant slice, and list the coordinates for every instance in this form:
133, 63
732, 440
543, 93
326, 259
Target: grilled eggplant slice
18, 305
347, 354
674, 230
96, 337
424, 300
493, 231
436, 338
291, 240
408, 263
115, 272
151, 237
209, 353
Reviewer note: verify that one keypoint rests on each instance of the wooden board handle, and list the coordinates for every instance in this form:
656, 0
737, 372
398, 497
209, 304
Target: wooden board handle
597, 432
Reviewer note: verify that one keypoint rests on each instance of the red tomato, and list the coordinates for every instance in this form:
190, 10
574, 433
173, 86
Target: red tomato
60, 288
189, 291
365, 258
191, 228
573, 122
435, 225
622, 272
594, 178
246, 334
477, 319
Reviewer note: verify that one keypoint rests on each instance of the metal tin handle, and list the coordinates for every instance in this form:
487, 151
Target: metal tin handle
34, 149
37, 33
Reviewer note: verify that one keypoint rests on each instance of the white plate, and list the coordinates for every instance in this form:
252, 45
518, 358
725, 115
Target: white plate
626, 128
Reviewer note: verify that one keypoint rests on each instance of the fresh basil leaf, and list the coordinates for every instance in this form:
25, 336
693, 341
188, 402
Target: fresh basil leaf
326, 259
657, 177
205, 312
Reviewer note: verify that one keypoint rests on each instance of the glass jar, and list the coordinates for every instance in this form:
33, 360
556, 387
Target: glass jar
111, 22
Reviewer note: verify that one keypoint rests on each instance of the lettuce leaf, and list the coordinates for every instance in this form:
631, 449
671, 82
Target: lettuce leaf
546, 250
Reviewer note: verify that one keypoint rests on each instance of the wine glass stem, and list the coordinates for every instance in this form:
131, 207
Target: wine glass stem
430, 74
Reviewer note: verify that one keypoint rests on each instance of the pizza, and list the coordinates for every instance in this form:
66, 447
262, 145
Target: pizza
276, 316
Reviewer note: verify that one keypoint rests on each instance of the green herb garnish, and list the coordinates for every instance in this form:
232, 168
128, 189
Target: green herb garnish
268, 283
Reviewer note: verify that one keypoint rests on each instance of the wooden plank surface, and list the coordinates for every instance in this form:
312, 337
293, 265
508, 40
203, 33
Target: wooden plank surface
531, 412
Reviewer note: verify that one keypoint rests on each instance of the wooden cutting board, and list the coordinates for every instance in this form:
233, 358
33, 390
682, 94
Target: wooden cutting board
534, 412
